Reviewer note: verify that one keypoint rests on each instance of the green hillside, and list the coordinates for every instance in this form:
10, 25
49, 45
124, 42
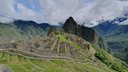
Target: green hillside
19, 31
116, 37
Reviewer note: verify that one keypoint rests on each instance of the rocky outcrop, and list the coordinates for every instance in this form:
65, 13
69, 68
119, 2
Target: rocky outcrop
5, 68
70, 26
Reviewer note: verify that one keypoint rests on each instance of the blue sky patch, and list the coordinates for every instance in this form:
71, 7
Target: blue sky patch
31, 4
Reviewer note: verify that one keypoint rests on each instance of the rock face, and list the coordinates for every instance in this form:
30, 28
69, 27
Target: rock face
70, 26
86, 33
4, 68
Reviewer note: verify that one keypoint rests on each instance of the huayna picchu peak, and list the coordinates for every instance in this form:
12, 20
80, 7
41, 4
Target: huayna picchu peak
72, 48
70, 26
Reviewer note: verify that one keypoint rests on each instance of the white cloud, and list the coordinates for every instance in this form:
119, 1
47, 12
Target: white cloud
24, 13
5, 20
7, 9
124, 22
89, 12
54, 11
59, 10
23, 10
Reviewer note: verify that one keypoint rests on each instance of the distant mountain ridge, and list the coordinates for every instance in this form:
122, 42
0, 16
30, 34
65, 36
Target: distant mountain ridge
116, 37
20, 29
21, 23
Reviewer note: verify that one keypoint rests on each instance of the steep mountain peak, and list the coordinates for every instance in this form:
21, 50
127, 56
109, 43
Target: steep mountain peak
71, 26
70, 18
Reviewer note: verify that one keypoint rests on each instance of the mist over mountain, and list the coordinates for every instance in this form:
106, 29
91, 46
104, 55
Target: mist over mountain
87, 12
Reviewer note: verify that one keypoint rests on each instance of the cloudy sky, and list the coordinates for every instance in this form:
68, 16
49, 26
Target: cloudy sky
54, 11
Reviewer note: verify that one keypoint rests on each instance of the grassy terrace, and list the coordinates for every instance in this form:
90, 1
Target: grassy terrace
33, 55
64, 38
20, 63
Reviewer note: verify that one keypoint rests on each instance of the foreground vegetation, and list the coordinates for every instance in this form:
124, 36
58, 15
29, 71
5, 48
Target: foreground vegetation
111, 62
22, 64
